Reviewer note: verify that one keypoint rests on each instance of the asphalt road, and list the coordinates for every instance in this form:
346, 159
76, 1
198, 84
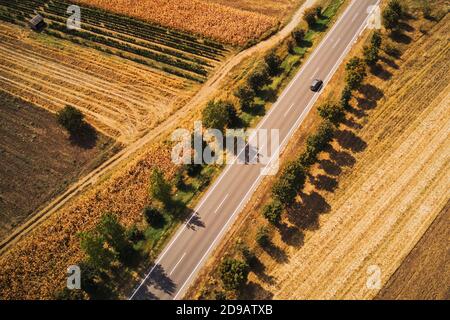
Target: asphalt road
178, 264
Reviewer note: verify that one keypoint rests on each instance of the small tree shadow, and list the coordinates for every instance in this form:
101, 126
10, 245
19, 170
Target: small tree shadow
330, 167
381, 72
371, 92
195, 223
276, 253
257, 109
351, 123
400, 37
85, 138
305, 214
291, 235
391, 63
342, 158
348, 140
254, 291
324, 182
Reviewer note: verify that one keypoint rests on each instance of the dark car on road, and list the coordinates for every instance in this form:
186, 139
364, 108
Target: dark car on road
316, 85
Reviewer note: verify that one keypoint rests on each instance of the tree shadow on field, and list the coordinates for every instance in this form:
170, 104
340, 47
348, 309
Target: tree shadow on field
330, 167
390, 62
291, 235
85, 138
305, 214
379, 71
324, 182
276, 253
357, 112
254, 291
348, 140
259, 269
342, 158
371, 97
400, 37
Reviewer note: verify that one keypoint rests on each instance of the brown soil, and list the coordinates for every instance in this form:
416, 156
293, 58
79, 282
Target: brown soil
38, 159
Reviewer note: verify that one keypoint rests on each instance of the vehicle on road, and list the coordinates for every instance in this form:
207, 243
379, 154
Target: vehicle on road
316, 85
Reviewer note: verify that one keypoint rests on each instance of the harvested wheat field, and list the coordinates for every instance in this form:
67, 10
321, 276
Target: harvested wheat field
119, 98
372, 196
215, 21
398, 186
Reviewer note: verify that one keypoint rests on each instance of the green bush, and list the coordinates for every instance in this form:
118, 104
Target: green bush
219, 115
262, 237
273, 63
332, 113
246, 96
273, 211
310, 16
258, 79
346, 96
298, 36
71, 119
160, 189
233, 273
355, 73
154, 217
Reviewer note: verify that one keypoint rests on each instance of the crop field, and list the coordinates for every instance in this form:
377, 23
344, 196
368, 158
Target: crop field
37, 159
372, 196
279, 9
124, 74
120, 98
203, 18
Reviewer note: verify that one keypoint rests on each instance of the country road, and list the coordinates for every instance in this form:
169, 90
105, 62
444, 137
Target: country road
179, 263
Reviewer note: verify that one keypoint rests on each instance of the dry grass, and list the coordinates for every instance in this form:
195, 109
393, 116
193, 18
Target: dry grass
212, 20
372, 197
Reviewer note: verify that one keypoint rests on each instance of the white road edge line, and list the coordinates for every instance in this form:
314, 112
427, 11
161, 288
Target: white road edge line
299, 121
177, 264
225, 198
182, 229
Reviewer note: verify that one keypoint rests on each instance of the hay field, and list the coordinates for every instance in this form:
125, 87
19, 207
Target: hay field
35, 267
